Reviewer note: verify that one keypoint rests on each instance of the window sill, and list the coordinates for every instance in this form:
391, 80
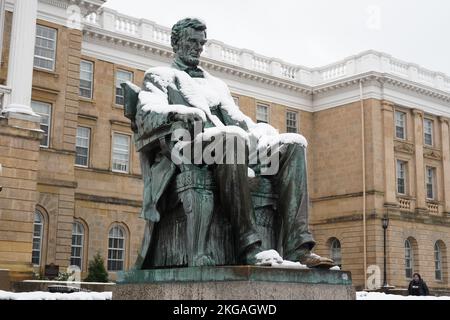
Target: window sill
118, 106
49, 72
87, 100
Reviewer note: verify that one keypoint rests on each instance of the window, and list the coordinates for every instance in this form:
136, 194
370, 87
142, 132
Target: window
121, 148
401, 177
116, 249
121, 77
76, 256
437, 261
408, 259
44, 110
400, 125
335, 249
262, 113
37, 238
86, 78
82, 146
291, 122
430, 182
428, 132
45, 48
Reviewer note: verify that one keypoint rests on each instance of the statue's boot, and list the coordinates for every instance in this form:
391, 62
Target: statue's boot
312, 260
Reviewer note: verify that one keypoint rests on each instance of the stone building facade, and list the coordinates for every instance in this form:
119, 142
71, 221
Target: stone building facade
378, 132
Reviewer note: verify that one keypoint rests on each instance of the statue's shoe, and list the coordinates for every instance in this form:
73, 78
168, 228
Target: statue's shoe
250, 255
203, 261
312, 260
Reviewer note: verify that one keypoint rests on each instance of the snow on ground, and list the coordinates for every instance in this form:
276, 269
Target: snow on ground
363, 295
40, 295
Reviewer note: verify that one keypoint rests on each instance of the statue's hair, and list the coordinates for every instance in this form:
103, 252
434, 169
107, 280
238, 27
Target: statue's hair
180, 26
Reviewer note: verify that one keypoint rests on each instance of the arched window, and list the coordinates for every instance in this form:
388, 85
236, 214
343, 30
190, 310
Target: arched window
116, 248
437, 261
76, 256
335, 252
38, 231
409, 256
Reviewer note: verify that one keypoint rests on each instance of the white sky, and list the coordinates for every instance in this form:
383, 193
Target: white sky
315, 32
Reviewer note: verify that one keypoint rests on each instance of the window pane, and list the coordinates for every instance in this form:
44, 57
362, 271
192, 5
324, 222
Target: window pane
116, 249
428, 131
82, 146
262, 113
121, 148
86, 78
291, 122
45, 48
121, 77
44, 110
400, 125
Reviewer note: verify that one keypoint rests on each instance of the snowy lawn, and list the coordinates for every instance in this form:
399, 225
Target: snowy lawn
362, 295
39, 295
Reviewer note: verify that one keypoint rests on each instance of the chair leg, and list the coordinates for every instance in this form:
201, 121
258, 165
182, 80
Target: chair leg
199, 207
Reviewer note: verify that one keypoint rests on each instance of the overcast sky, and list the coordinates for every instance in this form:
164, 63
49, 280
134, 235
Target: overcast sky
315, 32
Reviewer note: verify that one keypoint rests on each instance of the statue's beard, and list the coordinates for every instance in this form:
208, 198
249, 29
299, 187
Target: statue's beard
189, 60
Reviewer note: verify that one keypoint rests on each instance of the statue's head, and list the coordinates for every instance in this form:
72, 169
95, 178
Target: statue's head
188, 39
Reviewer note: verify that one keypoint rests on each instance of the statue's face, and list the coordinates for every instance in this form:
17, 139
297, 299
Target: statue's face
190, 46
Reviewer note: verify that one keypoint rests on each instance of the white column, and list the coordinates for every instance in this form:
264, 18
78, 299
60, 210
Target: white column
2, 25
21, 56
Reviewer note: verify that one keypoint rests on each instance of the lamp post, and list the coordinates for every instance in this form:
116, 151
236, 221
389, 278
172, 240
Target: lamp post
385, 224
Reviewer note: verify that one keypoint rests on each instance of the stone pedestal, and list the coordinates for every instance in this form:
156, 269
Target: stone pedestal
234, 283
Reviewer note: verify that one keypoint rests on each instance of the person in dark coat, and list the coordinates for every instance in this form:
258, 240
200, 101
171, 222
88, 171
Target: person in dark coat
418, 287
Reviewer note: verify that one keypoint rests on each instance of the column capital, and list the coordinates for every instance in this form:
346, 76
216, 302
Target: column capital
387, 106
444, 120
417, 113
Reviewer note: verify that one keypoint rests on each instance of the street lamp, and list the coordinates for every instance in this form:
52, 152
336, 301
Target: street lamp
385, 224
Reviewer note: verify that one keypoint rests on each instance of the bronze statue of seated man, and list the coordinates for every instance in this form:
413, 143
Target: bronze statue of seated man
186, 97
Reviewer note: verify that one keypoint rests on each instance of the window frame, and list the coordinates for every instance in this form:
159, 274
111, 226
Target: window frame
49, 125
334, 250
405, 178
111, 259
88, 147
296, 121
404, 128
40, 238
116, 78
129, 152
431, 134
438, 262
409, 256
267, 107
81, 246
433, 182
92, 72
55, 47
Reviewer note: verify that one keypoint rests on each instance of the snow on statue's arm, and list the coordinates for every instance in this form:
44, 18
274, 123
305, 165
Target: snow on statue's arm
155, 111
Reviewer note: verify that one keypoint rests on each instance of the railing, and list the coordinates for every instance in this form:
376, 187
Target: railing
433, 208
260, 64
230, 55
399, 67
161, 35
289, 72
334, 72
426, 76
145, 30
405, 204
